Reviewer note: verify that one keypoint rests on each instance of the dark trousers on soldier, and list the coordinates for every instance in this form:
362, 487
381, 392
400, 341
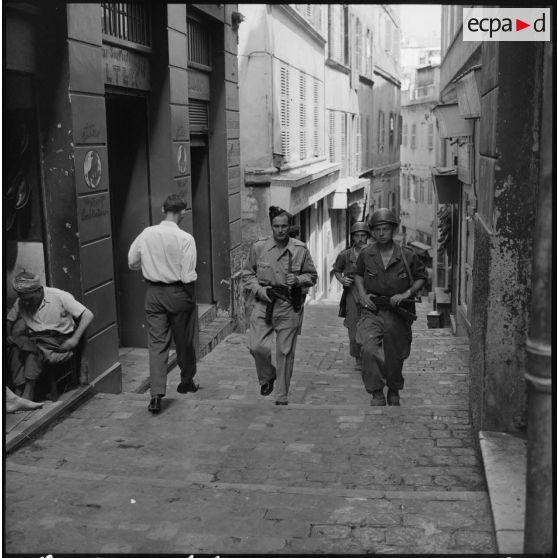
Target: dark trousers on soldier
171, 313
386, 343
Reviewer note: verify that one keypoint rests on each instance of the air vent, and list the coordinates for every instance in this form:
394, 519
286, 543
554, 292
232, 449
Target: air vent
199, 115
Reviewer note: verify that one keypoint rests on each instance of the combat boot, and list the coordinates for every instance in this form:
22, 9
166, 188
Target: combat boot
378, 398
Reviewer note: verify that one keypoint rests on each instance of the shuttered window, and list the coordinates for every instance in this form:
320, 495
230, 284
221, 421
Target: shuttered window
358, 145
413, 136
429, 189
285, 113
342, 117
332, 135
301, 119
358, 46
368, 54
381, 131
338, 33
405, 134
400, 128
391, 130
316, 119
302, 116
430, 136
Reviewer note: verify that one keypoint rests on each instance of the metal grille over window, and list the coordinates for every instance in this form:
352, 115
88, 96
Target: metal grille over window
198, 115
199, 44
127, 22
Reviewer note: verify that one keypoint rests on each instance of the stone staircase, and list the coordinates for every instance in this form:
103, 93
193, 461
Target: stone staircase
135, 361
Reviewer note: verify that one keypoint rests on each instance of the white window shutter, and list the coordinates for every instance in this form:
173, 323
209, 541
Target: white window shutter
332, 135
316, 118
358, 145
294, 104
303, 153
342, 121
285, 113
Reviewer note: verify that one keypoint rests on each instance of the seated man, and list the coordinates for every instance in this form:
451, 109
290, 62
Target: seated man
49, 334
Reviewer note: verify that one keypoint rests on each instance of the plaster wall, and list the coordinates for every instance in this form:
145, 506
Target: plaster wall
338, 93
292, 45
255, 78
503, 248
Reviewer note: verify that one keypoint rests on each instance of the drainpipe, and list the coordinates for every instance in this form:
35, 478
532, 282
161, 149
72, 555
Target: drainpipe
539, 508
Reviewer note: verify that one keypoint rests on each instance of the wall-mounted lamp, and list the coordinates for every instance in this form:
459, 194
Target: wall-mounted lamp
236, 19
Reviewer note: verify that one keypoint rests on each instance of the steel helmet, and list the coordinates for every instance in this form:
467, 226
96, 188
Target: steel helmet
383, 215
360, 226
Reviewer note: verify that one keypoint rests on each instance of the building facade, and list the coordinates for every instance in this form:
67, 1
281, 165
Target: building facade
419, 143
307, 75
109, 108
490, 169
387, 128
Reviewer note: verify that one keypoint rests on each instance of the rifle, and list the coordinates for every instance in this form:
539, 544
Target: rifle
384, 303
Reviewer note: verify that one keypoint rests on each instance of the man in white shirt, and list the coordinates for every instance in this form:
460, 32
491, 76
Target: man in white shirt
166, 256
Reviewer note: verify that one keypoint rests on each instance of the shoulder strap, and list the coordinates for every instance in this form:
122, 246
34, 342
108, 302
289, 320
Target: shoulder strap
411, 279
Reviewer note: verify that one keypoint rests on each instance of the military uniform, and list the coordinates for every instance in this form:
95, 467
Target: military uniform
345, 263
267, 265
384, 334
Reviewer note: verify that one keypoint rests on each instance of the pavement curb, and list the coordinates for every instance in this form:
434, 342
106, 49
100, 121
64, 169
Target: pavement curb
504, 458
18, 437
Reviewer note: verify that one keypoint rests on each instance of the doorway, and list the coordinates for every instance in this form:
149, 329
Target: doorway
130, 213
201, 218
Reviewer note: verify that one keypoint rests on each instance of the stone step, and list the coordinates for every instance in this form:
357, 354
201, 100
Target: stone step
212, 332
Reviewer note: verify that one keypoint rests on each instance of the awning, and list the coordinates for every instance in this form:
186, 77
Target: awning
450, 122
447, 184
420, 245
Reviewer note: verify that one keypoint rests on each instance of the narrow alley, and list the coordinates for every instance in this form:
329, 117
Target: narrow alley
226, 471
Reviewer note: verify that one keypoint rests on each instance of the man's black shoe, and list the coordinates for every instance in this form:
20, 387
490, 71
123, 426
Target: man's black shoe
186, 387
281, 402
266, 389
155, 404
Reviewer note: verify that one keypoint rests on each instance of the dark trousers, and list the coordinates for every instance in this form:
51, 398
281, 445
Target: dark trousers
386, 343
171, 310
28, 354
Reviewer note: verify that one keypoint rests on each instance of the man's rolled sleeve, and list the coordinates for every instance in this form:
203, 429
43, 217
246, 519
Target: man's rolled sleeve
189, 260
134, 255
74, 307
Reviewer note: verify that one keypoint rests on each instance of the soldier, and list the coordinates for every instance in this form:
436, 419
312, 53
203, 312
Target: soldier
387, 277
344, 270
278, 271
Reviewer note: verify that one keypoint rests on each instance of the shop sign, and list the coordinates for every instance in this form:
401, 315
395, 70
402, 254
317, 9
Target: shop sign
198, 85
125, 68
92, 170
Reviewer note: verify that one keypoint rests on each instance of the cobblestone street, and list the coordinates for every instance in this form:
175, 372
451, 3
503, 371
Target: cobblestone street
224, 470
